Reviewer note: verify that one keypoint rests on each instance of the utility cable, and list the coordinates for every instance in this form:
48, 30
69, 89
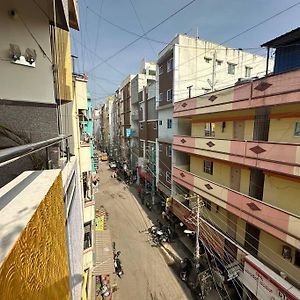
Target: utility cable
137, 39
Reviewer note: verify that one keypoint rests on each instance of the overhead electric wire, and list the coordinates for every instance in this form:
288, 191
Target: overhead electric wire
141, 25
148, 31
99, 57
246, 30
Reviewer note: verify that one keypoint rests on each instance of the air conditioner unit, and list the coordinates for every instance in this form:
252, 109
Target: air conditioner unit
286, 252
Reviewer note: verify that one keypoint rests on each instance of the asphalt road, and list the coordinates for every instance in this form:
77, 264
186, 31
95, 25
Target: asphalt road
147, 271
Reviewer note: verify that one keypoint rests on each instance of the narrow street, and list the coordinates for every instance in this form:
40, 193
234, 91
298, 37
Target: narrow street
147, 273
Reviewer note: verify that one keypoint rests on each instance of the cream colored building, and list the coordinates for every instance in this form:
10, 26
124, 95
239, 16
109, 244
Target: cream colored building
83, 152
190, 67
240, 154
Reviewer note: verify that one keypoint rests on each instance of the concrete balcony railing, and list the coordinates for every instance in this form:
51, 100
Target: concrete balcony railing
275, 221
264, 155
277, 89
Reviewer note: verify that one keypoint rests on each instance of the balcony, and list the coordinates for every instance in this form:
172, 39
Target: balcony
277, 222
263, 155
268, 91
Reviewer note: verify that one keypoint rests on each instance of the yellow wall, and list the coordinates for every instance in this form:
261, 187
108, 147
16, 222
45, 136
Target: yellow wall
198, 130
282, 130
245, 181
240, 231
282, 193
221, 172
216, 217
64, 64
270, 250
37, 266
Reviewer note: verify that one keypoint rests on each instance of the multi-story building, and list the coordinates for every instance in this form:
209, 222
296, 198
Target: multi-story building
188, 67
148, 133
41, 210
125, 117
139, 84
84, 150
36, 77
238, 149
104, 127
116, 126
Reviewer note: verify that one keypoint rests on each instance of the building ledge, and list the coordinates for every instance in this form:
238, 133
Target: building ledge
20, 199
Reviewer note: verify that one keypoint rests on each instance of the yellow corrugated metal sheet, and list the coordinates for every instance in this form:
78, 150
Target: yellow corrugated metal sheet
104, 262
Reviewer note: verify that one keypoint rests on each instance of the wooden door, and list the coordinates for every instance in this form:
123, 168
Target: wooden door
235, 178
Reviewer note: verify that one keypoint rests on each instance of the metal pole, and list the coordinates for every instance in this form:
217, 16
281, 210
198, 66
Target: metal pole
197, 251
213, 72
153, 178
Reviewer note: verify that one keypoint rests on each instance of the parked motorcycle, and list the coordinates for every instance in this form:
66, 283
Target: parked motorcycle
185, 269
160, 234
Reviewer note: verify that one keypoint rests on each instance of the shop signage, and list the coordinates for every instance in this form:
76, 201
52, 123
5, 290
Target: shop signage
263, 286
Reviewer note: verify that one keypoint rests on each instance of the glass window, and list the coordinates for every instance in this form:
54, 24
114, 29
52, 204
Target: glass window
248, 72
297, 129
207, 60
208, 167
231, 68
219, 62
87, 235
161, 70
169, 150
155, 125
169, 123
170, 65
168, 177
209, 129
170, 95
160, 122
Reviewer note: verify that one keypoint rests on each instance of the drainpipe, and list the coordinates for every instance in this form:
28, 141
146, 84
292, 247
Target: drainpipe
268, 57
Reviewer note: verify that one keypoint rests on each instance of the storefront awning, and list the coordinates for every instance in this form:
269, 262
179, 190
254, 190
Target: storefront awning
104, 261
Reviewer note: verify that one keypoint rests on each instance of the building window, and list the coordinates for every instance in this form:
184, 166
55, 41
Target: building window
297, 129
231, 68
207, 204
87, 235
206, 90
161, 70
219, 62
141, 126
169, 123
155, 125
207, 60
160, 122
169, 150
161, 96
170, 65
170, 95
248, 71
208, 167
209, 129
168, 177
160, 147
152, 72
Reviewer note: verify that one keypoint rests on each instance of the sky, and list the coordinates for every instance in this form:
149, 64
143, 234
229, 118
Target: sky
215, 20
